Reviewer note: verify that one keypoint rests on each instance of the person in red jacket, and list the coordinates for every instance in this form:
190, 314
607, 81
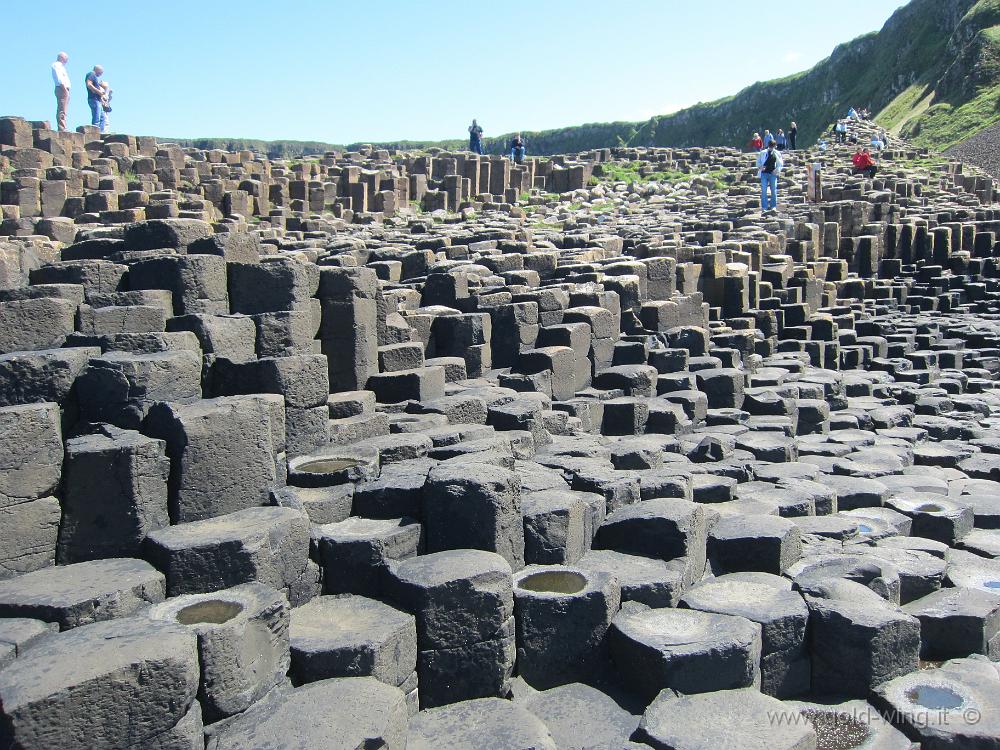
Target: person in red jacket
864, 164
757, 143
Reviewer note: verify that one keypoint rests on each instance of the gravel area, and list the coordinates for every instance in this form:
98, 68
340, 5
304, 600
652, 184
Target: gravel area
982, 150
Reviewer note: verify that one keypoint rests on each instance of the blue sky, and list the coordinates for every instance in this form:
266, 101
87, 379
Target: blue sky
392, 69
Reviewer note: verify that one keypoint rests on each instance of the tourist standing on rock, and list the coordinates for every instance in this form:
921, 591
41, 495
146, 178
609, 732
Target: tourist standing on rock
792, 133
768, 138
517, 149
105, 107
756, 143
841, 130
61, 79
781, 140
475, 138
770, 164
94, 94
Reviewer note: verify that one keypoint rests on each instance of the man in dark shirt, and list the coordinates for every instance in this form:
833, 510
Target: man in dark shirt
517, 150
475, 138
94, 94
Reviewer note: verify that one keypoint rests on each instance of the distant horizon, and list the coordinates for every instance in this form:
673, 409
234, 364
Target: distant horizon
346, 75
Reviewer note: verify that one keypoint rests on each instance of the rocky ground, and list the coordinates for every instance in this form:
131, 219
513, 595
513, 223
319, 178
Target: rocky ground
437, 451
982, 150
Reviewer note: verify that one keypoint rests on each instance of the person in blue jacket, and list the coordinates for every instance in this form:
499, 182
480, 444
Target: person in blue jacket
769, 166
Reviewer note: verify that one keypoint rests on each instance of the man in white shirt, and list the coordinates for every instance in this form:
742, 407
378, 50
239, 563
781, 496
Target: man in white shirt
769, 164
61, 79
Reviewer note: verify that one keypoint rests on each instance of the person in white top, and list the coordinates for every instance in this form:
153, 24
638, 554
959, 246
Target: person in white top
106, 107
61, 79
769, 166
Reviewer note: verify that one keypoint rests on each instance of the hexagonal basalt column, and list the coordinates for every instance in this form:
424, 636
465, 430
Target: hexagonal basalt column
562, 616
955, 706
242, 643
463, 601
351, 636
742, 719
782, 615
685, 650
123, 683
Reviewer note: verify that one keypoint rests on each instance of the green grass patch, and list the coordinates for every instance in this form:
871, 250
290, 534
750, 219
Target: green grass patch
904, 107
556, 225
983, 13
943, 125
929, 162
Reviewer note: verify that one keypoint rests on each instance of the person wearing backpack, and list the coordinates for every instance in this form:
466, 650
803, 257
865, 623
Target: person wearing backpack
769, 164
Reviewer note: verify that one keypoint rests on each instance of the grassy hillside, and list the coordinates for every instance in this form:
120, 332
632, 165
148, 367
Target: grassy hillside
931, 74
961, 95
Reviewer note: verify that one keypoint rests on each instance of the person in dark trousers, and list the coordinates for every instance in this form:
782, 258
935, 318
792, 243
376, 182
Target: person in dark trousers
781, 140
792, 133
769, 164
475, 138
841, 129
62, 83
517, 149
94, 94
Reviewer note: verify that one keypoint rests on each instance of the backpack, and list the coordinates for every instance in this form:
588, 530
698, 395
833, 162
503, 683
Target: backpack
770, 163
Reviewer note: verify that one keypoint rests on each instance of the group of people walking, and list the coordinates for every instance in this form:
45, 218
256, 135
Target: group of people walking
98, 94
781, 141
770, 161
769, 148
517, 148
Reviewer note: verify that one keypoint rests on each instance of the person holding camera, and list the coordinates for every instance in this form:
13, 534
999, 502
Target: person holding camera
105, 107
94, 93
